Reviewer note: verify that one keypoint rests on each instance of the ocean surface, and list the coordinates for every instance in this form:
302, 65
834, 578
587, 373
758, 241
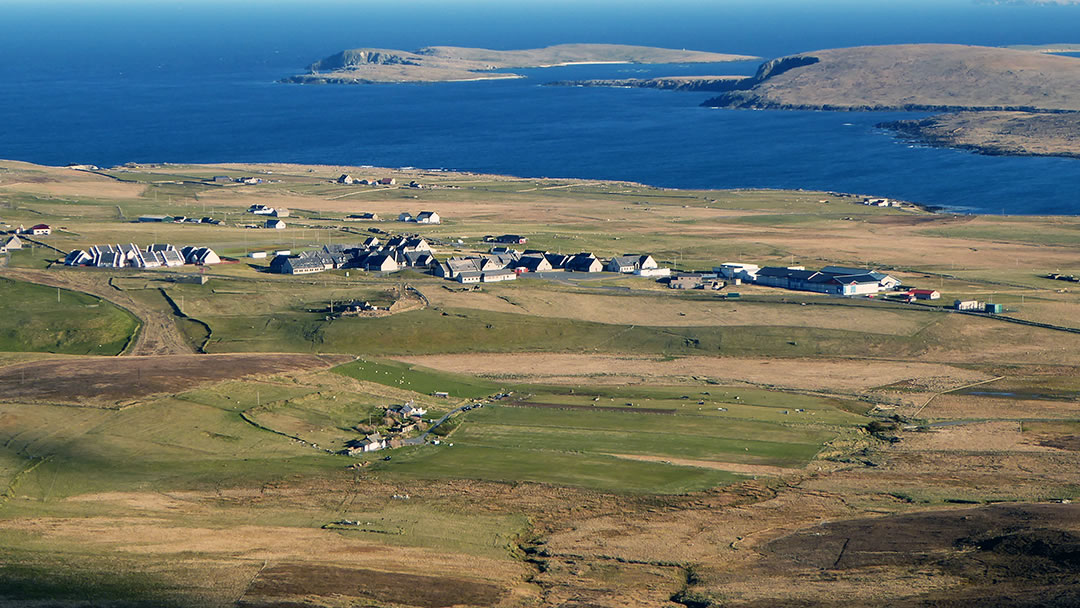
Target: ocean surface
108, 83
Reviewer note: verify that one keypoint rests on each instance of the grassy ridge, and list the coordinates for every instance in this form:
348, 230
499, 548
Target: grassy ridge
40, 318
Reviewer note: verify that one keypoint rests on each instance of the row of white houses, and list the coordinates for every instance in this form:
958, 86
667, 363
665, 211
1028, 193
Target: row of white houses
157, 255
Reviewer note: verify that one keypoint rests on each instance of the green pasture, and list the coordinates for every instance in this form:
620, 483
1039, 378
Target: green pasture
40, 318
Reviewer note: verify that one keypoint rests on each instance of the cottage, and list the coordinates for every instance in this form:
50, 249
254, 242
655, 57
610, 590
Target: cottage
260, 209
372, 443
345, 178
275, 224
405, 216
387, 181
12, 243
557, 260
428, 217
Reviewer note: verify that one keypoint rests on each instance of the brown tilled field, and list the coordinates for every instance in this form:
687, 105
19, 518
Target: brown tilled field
113, 381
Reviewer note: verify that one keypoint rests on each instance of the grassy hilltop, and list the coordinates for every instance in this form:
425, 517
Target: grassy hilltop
648, 446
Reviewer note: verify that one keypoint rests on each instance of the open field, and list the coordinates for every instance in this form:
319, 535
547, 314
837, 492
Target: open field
658, 448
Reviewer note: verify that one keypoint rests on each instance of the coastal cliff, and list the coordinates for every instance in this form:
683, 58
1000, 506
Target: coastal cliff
997, 133
913, 77
448, 63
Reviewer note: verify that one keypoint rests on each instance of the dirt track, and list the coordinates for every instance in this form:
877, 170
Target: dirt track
158, 334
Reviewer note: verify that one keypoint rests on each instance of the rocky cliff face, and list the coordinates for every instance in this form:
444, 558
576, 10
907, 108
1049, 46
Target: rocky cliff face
358, 57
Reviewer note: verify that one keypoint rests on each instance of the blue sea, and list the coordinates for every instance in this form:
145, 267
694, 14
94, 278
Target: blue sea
113, 82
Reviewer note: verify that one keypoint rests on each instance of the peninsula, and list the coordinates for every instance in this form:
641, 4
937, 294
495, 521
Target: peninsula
450, 63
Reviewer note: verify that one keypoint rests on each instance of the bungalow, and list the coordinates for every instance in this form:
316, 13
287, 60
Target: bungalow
629, 263
469, 277
428, 217
584, 262
884, 281
40, 230
409, 409
275, 224
495, 276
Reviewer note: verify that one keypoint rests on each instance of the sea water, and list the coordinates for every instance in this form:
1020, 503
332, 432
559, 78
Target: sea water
116, 82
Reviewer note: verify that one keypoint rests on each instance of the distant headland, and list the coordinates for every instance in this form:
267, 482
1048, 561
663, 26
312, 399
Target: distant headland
458, 64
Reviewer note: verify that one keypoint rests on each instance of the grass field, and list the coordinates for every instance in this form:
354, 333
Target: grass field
39, 318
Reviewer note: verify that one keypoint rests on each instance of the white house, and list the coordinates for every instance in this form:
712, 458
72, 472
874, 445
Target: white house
275, 224
428, 217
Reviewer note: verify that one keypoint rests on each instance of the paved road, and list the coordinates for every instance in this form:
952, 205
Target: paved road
423, 438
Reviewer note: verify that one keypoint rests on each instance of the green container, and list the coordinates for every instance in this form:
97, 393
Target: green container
732, 295
994, 309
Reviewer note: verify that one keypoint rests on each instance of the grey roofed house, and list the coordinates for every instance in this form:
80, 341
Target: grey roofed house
416, 244
13, 243
584, 262
172, 257
415, 259
110, 259
77, 257
492, 276
160, 247
381, 262
371, 242
284, 264
533, 263
345, 179
557, 260
624, 263
428, 217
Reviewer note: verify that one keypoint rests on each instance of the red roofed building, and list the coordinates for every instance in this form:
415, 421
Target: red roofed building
40, 230
925, 294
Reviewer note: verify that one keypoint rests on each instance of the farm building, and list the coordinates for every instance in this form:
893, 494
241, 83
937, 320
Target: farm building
284, 264
39, 230
387, 181
835, 280
374, 217
275, 224
405, 216
149, 219
257, 255
924, 294
967, 305
260, 209
280, 212
734, 270
512, 239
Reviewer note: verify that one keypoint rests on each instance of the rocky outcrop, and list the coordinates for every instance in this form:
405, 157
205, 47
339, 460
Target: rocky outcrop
678, 83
